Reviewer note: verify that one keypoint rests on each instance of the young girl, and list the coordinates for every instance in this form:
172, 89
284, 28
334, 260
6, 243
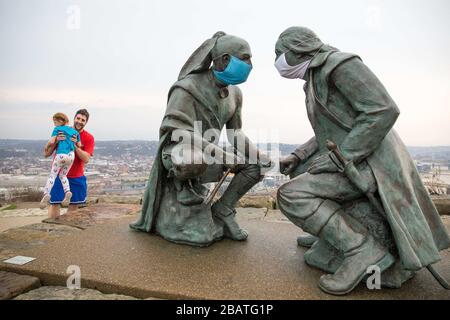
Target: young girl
63, 159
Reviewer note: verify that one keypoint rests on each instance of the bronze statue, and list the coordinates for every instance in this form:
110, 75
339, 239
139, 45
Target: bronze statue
338, 190
205, 98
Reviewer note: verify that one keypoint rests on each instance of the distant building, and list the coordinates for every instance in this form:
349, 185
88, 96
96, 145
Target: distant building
269, 182
4, 194
92, 174
423, 167
30, 173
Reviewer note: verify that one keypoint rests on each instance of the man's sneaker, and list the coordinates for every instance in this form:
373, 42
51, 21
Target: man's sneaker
67, 197
44, 201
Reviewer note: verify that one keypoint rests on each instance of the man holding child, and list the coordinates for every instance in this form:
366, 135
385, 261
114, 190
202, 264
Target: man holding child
76, 177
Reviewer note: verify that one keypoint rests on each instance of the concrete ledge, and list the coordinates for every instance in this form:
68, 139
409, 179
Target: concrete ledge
115, 259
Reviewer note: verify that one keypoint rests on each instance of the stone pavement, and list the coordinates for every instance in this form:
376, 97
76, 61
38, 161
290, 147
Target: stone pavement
63, 293
21, 217
95, 214
16, 222
23, 287
36, 234
12, 241
269, 265
12, 284
24, 230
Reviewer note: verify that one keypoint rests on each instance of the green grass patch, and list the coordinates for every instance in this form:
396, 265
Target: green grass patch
12, 206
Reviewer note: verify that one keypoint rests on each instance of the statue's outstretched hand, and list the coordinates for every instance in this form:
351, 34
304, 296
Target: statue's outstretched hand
265, 162
323, 164
233, 162
232, 166
288, 164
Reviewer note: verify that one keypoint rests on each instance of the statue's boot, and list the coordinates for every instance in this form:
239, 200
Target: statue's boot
306, 240
323, 256
189, 193
320, 255
231, 228
360, 251
223, 209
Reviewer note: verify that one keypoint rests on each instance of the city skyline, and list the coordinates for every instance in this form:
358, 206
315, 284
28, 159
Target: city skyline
120, 58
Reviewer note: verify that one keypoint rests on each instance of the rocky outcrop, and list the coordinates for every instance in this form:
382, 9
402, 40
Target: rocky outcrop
257, 201
63, 293
95, 214
13, 284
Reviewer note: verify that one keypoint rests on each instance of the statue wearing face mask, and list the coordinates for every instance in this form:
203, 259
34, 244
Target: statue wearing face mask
205, 98
349, 232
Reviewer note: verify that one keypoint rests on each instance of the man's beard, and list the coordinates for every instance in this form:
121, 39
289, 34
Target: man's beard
79, 127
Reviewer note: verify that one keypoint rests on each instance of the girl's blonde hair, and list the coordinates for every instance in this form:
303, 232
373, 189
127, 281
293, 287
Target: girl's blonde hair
61, 117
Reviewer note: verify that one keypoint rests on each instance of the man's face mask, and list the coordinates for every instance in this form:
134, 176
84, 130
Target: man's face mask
236, 72
291, 72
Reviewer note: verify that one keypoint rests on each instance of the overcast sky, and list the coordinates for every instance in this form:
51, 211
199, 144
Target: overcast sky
119, 59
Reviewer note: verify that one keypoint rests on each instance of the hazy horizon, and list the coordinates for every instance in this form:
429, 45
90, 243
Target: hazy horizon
119, 59
269, 142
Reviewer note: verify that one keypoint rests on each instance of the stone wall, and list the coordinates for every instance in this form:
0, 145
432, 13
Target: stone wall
442, 203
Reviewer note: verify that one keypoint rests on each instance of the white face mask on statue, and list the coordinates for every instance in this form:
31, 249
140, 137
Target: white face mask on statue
291, 72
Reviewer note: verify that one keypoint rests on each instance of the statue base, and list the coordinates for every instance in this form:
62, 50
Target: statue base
192, 225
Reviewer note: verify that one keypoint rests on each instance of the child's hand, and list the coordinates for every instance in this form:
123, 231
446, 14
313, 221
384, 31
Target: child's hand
61, 136
74, 139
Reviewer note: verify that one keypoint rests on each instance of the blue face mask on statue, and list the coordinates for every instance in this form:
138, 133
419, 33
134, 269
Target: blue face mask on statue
236, 72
